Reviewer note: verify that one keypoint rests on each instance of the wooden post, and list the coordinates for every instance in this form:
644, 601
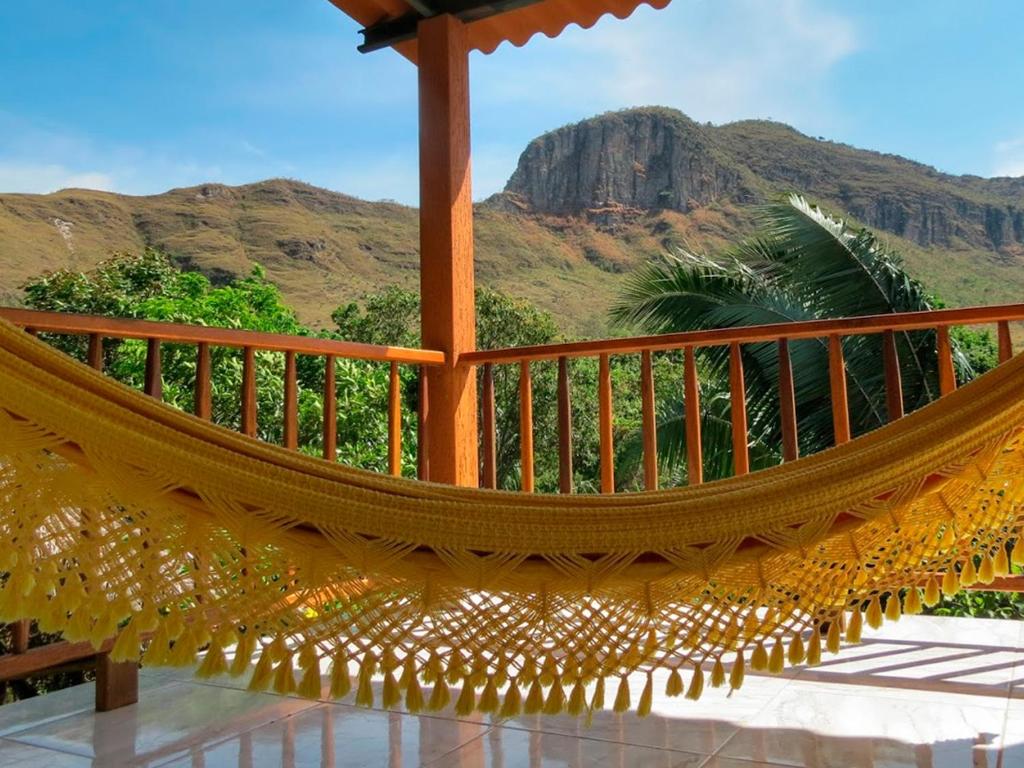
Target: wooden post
787, 404
565, 475
446, 247
694, 454
526, 426
490, 470
117, 684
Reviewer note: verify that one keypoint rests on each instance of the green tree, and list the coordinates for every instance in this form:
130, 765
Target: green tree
149, 286
801, 265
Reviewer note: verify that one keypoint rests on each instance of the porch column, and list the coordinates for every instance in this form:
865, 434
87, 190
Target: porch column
446, 248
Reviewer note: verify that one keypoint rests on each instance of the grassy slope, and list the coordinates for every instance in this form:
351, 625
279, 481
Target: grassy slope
323, 248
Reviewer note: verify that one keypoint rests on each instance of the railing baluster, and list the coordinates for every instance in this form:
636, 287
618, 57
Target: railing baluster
606, 418
249, 392
489, 475
95, 355
19, 635
203, 390
694, 451
423, 427
893, 376
787, 404
394, 422
153, 379
565, 476
947, 374
330, 411
1005, 341
526, 426
649, 421
291, 402
738, 412
837, 380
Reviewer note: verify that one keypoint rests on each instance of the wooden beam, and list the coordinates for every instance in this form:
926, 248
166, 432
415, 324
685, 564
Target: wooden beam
526, 427
394, 421
446, 247
893, 376
738, 412
649, 421
947, 372
694, 452
117, 684
605, 425
291, 402
490, 436
565, 471
203, 389
787, 404
1005, 341
837, 380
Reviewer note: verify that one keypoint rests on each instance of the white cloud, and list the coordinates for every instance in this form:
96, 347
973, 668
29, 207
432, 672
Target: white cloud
44, 178
1009, 158
717, 61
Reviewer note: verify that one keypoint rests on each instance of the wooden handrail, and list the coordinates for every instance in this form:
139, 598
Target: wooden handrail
178, 333
849, 326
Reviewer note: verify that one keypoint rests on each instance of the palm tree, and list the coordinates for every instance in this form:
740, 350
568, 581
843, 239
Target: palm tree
802, 265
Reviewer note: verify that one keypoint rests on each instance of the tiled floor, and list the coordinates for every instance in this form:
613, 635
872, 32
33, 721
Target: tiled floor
923, 693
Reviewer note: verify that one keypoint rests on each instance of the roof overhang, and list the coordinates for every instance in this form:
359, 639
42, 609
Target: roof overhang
393, 23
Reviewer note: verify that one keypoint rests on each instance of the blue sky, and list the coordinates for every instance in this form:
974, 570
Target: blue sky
138, 97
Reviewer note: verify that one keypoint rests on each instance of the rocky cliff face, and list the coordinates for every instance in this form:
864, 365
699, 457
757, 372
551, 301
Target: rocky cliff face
658, 159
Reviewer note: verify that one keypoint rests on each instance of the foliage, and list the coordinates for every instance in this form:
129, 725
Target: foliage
801, 265
149, 286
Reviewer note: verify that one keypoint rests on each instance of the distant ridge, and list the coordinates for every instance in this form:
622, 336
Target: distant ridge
587, 203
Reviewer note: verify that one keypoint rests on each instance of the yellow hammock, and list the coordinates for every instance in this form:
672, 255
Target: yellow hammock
120, 515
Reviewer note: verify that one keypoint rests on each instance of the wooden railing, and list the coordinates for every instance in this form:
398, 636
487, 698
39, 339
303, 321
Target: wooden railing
831, 332
117, 683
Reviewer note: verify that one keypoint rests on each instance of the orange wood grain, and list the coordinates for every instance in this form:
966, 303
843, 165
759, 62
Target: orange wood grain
787, 404
837, 379
489, 477
330, 396
893, 376
947, 373
526, 427
694, 451
738, 412
291, 402
446, 246
394, 421
649, 421
1005, 341
95, 354
605, 425
249, 392
203, 387
153, 377
566, 481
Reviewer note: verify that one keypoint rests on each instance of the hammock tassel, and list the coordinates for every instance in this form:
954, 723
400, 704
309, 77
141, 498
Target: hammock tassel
987, 571
127, 645
391, 694
833, 638
214, 664
414, 696
1001, 564
892, 607
440, 696
577, 699
759, 658
263, 673
466, 703
643, 707
513, 704
674, 684
777, 658
718, 674
737, 671
284, 677
244, 650
932, 593
311, 686
969, 573
341, 683
489, 701
534, 698
556, 698
855, 625
696, 683
597, 700
950, 582
364, 686
912, 605
814, 648
874, 613
622, 696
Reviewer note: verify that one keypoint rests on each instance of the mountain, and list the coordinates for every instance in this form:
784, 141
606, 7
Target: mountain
586, 204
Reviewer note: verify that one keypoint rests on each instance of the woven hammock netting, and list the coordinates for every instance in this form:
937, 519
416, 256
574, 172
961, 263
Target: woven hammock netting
121, 516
